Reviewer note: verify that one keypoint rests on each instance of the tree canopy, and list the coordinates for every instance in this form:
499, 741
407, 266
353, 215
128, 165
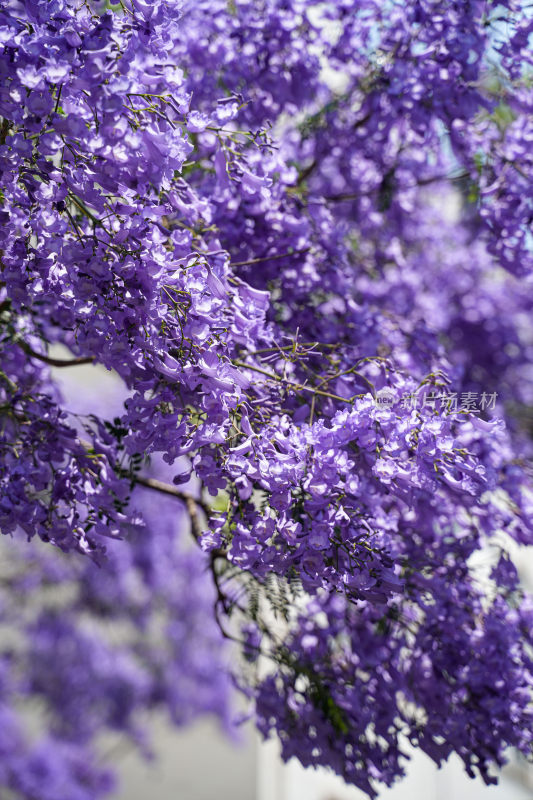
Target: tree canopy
299, 233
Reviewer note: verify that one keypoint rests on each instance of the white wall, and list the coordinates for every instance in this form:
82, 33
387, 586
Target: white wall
424, 781
197, 763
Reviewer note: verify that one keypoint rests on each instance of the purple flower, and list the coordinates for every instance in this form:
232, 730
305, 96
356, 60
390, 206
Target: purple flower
314, 301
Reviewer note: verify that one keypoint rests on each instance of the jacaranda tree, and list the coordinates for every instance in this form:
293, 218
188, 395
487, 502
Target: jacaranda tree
299, 233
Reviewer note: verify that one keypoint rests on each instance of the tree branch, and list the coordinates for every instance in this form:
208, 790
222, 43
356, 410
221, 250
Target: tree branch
301, 387
56, 362
270, 258
191, 503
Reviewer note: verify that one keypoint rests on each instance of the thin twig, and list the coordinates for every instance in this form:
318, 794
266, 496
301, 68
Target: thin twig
270, 258
297, 386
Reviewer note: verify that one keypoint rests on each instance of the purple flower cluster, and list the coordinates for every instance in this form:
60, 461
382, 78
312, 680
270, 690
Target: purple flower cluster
90, 651
260, 216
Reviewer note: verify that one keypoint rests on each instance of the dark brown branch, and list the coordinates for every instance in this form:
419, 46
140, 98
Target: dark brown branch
4, 130
345, 196
270, 258
192, 504
305, 173
56, 362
